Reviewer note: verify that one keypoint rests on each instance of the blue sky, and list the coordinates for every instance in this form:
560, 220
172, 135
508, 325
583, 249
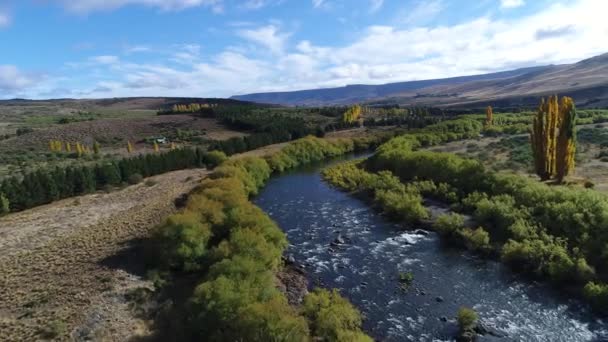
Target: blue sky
108, 48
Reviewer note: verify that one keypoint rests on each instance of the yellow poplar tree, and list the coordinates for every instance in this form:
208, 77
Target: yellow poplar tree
96, 147
156, 148
489, 116
566, 139
553, 138
129, 147
68, 147
352, 114
79, 149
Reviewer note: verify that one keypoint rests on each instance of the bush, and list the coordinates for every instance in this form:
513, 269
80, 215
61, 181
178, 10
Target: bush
184, 239
238, 248
332, 318
476, 240
214, 158
150, 183
467, 319
4, 205
135, 178
449, 224
597, 295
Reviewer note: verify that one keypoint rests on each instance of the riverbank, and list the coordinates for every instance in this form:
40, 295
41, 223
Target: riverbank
366, 268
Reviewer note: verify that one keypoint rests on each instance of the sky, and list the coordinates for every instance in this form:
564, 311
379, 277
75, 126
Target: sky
219, 48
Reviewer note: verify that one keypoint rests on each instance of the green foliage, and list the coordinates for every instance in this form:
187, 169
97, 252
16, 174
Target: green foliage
4, 205
402, 205
214, 158
554, 232
184, 239
597, 295
332, 318
46, 185
398, 201
449, 224
548, 258
135, 178
405, 280
467, 319
237, 250
476, 239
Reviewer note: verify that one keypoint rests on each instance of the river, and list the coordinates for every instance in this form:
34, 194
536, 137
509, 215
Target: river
366, 270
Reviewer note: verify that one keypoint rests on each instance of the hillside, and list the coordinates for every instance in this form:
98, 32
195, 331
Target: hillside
586, 81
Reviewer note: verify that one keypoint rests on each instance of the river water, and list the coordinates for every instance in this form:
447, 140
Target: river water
366, 270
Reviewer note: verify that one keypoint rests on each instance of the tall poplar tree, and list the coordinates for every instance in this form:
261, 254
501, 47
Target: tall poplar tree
553, 138
566, 139
489, 116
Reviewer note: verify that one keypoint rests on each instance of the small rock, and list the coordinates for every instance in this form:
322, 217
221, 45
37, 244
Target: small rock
467, 336
421, 232
443, 319
439, 299
363, 283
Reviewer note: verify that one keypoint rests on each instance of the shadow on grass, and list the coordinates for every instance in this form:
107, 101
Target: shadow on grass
167, 307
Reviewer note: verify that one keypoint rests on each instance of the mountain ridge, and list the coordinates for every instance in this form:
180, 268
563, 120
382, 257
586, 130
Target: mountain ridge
515, 85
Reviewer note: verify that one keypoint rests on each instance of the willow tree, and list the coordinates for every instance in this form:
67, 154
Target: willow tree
553, 138
489, 116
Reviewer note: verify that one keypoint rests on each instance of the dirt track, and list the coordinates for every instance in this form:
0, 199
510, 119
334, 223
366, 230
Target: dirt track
59, 274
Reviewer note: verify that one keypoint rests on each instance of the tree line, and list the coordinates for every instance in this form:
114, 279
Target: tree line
47, 185
235, 250
551, 232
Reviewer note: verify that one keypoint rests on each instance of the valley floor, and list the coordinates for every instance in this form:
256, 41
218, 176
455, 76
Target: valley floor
65, 268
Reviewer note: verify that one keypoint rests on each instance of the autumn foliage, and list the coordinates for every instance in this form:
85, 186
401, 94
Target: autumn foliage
352, 114
489, 116
553, 138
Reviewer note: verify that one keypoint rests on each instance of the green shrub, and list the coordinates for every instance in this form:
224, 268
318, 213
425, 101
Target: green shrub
184, 239
214, 158
4, 205
449, 224
467, 319
597, 295
332, 318
135, 178
476, 240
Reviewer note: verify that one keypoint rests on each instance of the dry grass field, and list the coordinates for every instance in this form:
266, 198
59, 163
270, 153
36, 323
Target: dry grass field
63, 272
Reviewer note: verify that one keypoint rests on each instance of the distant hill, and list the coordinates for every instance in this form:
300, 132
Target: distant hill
586, 81
124, 103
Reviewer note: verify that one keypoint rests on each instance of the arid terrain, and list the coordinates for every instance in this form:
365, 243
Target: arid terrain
67, 264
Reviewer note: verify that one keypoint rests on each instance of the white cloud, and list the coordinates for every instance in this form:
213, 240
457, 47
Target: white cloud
320, 3
376, 5
137, 49
88, 6
511, 3
5, 19
422, 12
378, 54
268, 37
258, 4
104, 59
12, 80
